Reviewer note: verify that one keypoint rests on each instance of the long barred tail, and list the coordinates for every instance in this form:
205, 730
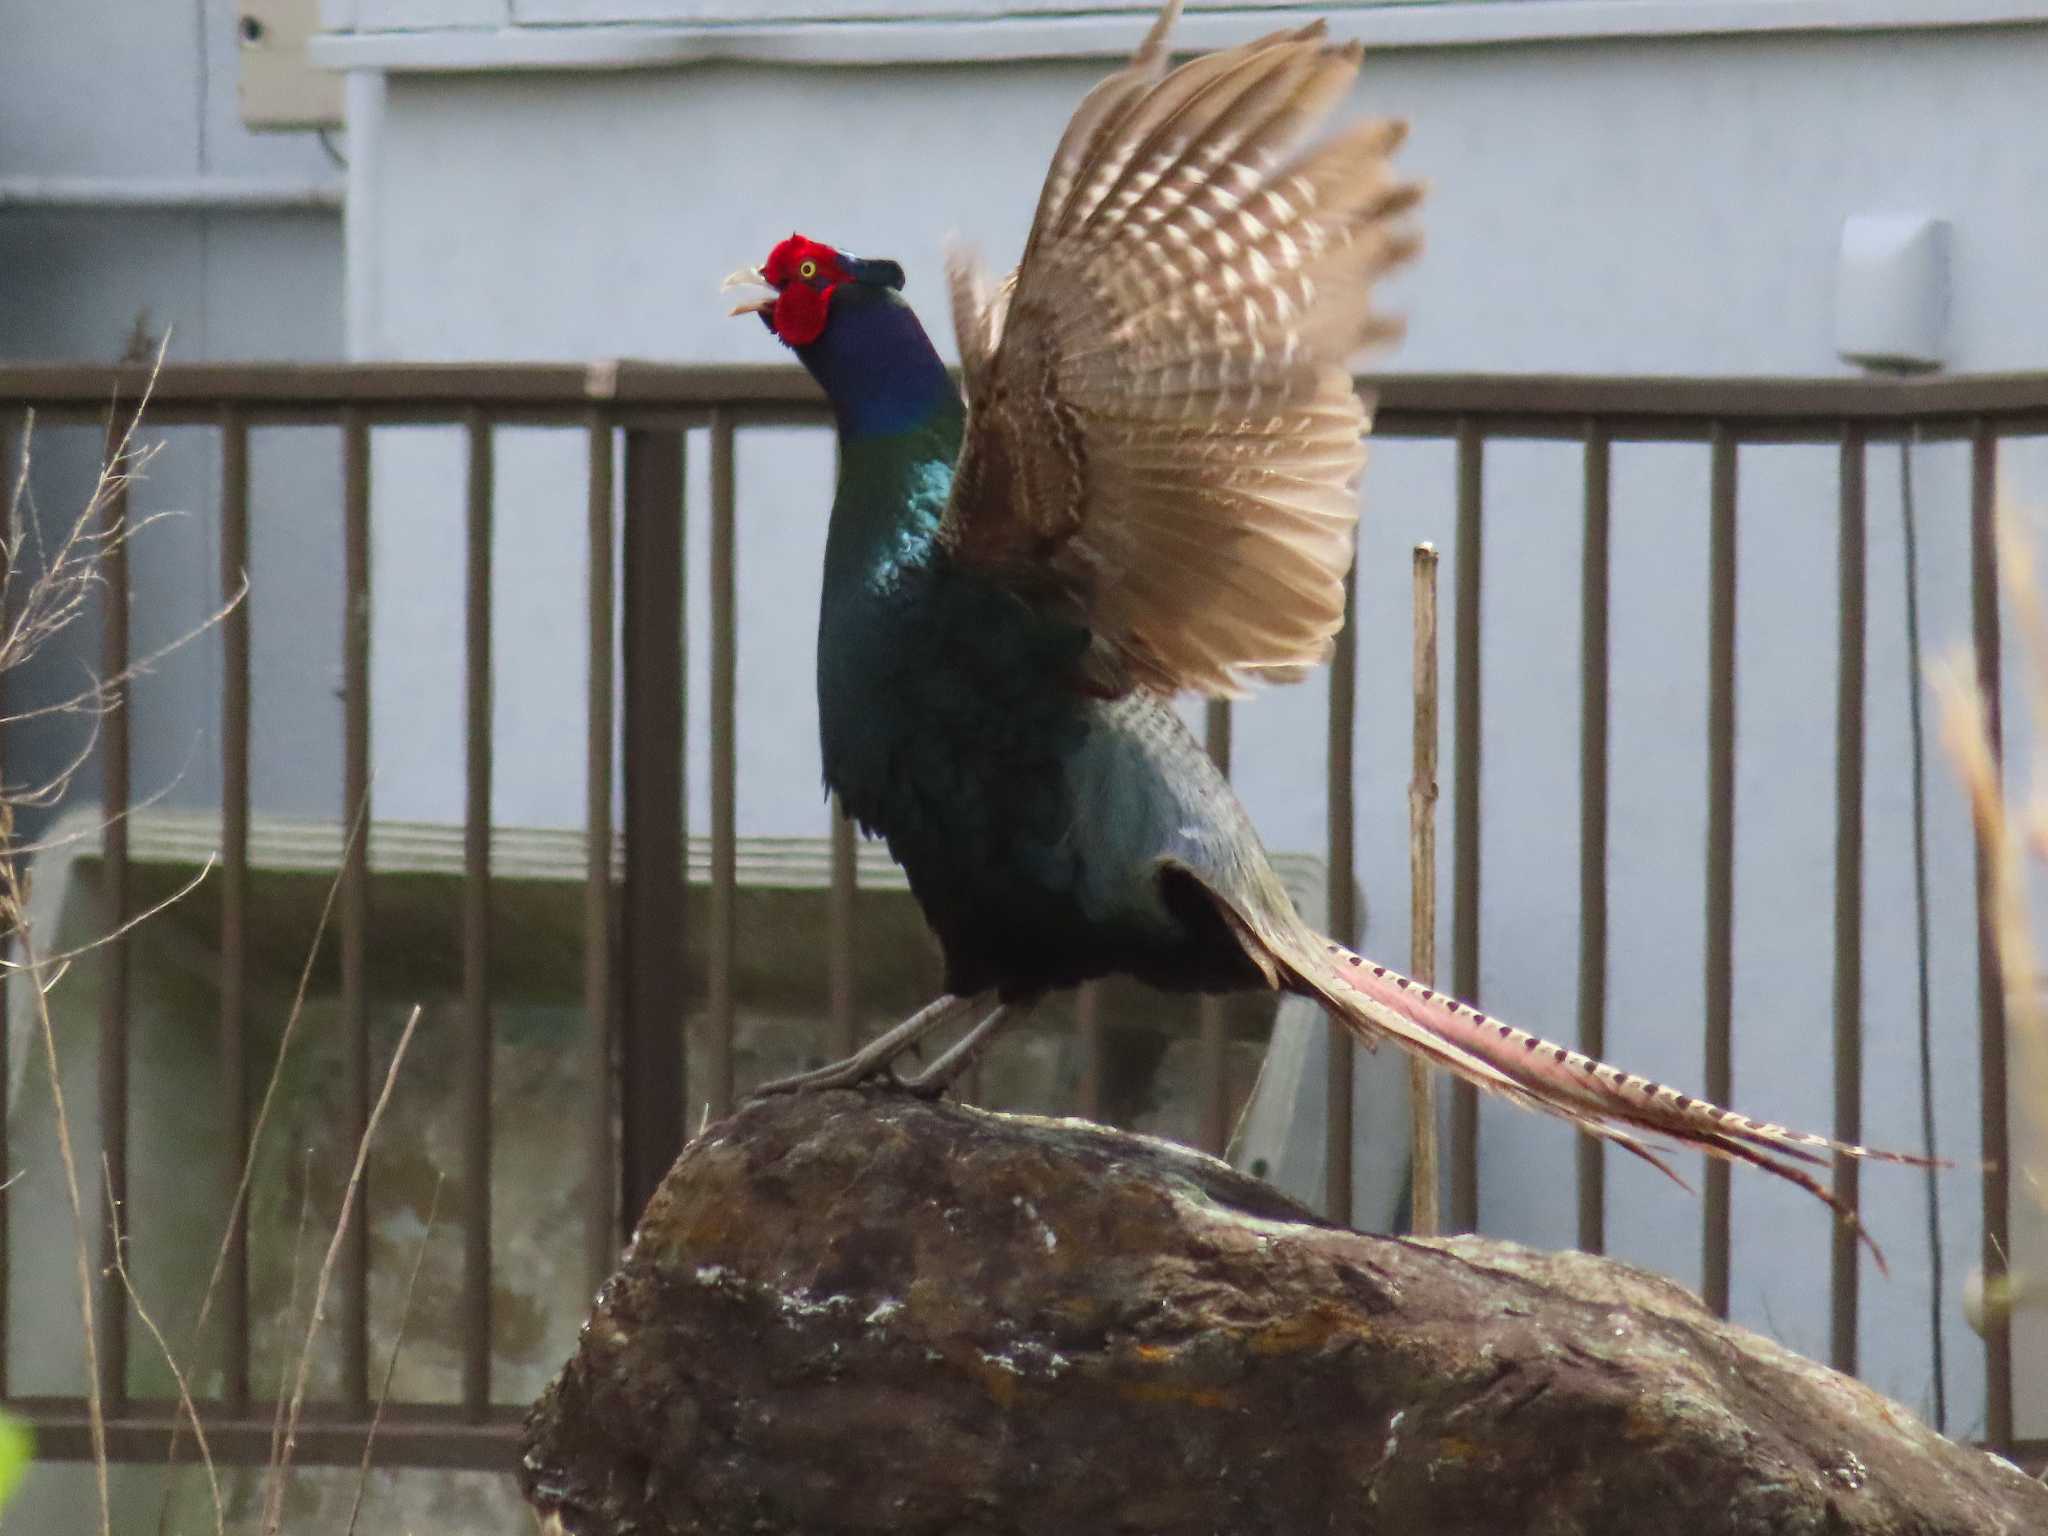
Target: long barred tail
1604, 1101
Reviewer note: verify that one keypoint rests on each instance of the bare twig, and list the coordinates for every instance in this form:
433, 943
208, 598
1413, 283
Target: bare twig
274, 1514
34, 612
35, 608
291, 1311
101, 694
355, 1508
50, 790
1425, 1217
284, 1045
44, 605
163, 1348
238, 1206
62, 959
14, 911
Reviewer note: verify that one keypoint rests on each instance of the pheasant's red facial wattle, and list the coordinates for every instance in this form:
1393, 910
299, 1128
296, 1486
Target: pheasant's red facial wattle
804, 275
799, 314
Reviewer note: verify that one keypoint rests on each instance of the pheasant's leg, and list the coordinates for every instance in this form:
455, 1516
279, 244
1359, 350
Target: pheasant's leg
873, 1059
936, 1078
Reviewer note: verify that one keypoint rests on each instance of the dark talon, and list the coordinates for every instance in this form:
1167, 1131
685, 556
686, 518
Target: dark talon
933, 1081
874, 1060
917, 1088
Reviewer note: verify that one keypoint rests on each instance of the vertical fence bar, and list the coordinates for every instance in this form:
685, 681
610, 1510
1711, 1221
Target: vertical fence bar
651, 1066
1425, 1177
1341, 898
724, 766
601, 1211
1465, 809
839, 932
1842, 1263
1984, 626
1088, 1027
113, 1043
355, 890
476, 932
234, 896
1720, 893
1593, 674
1210, 1010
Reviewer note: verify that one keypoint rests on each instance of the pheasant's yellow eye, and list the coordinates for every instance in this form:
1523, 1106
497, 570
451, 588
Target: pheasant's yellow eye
807, 271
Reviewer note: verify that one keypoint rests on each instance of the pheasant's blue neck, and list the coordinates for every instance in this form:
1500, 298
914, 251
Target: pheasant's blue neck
878, 368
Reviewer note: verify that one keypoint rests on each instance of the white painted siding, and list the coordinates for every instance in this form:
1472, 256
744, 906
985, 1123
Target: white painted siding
117, 102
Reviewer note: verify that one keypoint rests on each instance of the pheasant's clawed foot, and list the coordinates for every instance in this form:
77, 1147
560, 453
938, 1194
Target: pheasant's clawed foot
848, 1073
935, 1079
876, 1059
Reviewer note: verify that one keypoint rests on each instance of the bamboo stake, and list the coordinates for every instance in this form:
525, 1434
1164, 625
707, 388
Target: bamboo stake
1425, 1218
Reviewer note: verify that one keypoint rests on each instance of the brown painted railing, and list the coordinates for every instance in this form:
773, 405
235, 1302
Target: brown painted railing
632, 973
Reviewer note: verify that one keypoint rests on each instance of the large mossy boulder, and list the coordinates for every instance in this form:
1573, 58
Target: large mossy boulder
860, 1312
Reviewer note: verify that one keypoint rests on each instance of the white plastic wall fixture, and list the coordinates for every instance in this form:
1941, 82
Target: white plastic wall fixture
1892, 292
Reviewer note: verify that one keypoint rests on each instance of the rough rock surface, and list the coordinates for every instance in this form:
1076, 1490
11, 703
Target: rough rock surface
864, 1313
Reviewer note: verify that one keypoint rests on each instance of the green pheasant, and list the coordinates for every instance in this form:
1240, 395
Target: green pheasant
1149, 488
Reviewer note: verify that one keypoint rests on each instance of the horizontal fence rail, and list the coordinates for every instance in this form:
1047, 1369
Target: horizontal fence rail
632, 980
1658, 407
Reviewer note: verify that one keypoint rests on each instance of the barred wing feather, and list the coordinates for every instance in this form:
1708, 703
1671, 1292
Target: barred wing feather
1162, 428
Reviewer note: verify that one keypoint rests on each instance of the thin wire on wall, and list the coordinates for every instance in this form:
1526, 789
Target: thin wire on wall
1936, 1288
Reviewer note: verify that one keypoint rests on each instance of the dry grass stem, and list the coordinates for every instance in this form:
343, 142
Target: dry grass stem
48, 585
412, 1280
185, 1402
1965, 733
69, 579
14, 915
35, 611
274, 1515
84, 836
2025, 1013
284, 1045
2010, 829
238, 1206
102, 693
59, 961
46, 794
291, 1312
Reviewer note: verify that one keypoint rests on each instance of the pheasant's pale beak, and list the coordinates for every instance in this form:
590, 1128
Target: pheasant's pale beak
749, 277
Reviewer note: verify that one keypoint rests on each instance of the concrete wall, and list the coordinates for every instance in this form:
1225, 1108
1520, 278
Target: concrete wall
1643, 205
105, 105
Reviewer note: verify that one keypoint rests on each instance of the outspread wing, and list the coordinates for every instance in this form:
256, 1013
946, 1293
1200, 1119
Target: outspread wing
1161, 425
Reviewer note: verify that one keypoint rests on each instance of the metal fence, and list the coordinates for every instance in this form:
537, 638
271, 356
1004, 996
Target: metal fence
634, 417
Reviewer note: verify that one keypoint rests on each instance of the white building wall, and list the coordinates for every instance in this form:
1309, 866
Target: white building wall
1652, 205
119, 135
121, 159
